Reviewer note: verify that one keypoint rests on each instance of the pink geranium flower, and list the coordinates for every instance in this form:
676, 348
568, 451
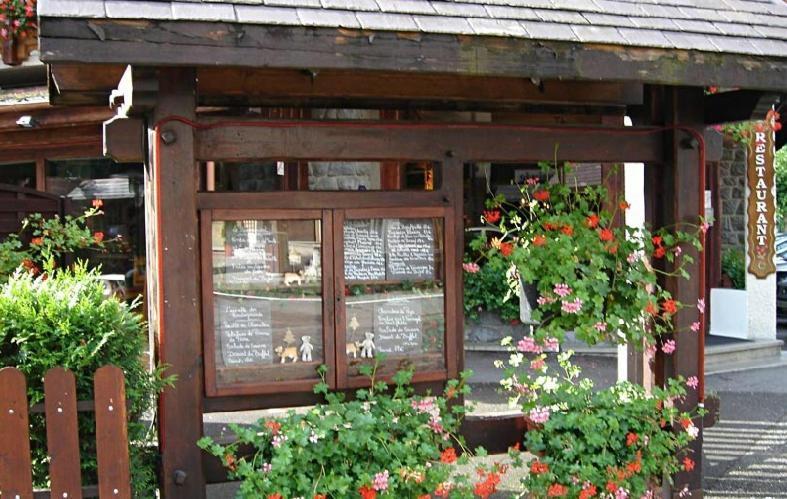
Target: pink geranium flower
692, 382
562, 290
695, 326
668, 347
539, 415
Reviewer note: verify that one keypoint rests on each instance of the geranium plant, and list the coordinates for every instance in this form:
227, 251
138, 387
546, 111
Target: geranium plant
17, 18
617, 442
387, 442
597, 278
486, 288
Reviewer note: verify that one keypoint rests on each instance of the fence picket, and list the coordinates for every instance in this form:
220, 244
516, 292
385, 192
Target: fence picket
111, 433
62, 433
16, 475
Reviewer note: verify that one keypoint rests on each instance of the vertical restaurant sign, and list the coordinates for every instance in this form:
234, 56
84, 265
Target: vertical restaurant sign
761, 209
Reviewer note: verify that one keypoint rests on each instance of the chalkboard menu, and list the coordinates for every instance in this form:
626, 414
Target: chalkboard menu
243, 328
253, 253
409, 245
364, 257
398, 327
391, 249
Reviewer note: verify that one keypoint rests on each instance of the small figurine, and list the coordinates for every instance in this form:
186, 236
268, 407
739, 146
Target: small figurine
292, 277
285, 353
354, 324
289, 338
352, 349
306, 349
367, 346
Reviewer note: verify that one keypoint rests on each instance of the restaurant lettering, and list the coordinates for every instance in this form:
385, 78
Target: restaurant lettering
761, 205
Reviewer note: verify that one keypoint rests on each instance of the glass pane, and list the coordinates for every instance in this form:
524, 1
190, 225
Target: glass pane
394, 278
267, 294
120, 189
19, 174
271, 176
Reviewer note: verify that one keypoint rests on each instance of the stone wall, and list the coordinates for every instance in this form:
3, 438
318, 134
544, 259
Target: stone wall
732, 194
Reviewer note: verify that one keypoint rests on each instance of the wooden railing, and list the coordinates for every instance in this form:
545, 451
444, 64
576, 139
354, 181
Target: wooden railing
60, 407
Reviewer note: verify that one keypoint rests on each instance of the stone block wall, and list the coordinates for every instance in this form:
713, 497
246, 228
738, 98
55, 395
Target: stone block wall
732, 194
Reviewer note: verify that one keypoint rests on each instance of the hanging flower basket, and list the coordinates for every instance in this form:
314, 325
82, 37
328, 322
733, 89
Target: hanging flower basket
17, 22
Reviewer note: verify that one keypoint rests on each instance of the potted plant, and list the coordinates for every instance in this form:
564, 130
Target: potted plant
17, 21
387, 443
618, 442
596, 278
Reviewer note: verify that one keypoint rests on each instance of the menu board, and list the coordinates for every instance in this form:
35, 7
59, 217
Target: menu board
390, 249
253, 253
243, 327
364, 256
409, 245
398, 327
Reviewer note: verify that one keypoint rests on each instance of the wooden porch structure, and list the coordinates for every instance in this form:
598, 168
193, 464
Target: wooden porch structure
195, 92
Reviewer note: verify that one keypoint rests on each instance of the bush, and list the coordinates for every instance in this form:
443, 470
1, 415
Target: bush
487, 289
63, 319
393, 444
733, 265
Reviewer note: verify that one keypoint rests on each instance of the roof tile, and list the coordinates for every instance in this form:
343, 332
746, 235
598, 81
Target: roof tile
655, 23
620, 8
778, 33
549, 31
406, 6
645, 37
598, 34
259, 14
443, 24
69, 8
497, 27
690, 41
357, 5
387, 21
696, 26
733, 44
560, 16
608, 20
770, 47
331, 18
737, 29
134, 9
459, 9
502, 12
663, 11
293, 3
192, 11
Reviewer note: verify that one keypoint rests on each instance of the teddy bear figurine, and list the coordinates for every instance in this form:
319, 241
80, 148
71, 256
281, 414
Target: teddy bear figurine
306, 348
367, 346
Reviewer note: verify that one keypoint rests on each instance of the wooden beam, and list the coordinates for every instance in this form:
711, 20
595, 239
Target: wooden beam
319, 140
174, 295
677, 200
226, 86
155, 42
123, 139
52, 117
737, 105
35, 140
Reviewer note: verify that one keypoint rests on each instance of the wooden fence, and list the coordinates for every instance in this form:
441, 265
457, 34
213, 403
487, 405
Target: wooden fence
60, 407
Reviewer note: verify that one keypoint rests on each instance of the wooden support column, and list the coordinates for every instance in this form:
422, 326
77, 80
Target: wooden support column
678, 200
171, 188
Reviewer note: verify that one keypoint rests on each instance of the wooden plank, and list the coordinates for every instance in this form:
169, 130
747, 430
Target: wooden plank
114, 476
62, 433
316, 200
55, 117
16, 478
88, 492
153, 42
737, 105
176, 309
240, 139
219, 86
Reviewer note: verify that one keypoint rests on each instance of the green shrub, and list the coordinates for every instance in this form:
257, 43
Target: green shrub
487, 289
733, 265
64, 319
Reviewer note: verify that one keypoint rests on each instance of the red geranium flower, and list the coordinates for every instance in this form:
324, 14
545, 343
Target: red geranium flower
97, 203
492, 216
557, 490
98, 237
669, 306
37, 241
588, 492
367, 492
275, 496
320, 496
592, 221
537, 467
448, 456
506, 249
567, 230
612, 486
651, 309
606, 234
273, 426
542, 196
539, 240
660, 252
688, 464
624, 205
685, 422
631, 438
634, 467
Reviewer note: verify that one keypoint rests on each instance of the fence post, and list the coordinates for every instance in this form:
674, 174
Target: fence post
114, 480
62, 433
16, 475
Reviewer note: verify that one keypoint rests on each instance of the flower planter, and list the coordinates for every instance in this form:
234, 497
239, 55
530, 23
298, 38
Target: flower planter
11, 51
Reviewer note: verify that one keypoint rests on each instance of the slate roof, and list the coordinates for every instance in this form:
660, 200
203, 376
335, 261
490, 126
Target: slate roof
752, 27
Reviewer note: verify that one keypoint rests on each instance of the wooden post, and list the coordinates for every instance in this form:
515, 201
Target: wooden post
173, 257
678, 200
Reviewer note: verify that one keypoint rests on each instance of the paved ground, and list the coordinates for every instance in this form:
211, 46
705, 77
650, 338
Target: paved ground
745, 453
